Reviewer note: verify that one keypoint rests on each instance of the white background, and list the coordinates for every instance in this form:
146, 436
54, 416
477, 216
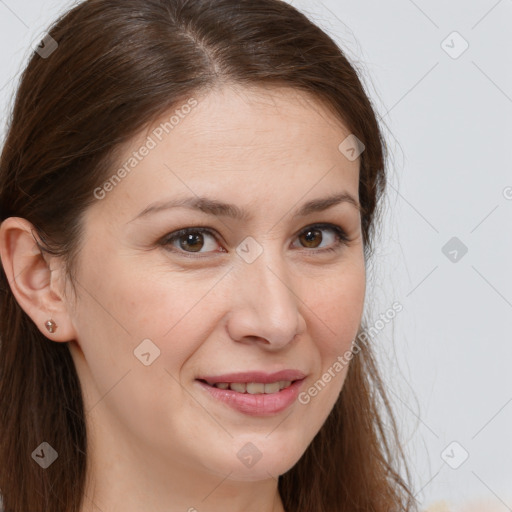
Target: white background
447, 120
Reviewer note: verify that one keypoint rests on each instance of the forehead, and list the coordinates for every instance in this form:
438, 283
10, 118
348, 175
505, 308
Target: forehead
233, 118
234, 142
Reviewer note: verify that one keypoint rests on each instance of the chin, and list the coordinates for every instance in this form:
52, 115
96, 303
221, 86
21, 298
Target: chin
258, 472
251, 466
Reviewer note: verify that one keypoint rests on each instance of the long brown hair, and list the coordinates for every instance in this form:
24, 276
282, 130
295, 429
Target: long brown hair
118, 66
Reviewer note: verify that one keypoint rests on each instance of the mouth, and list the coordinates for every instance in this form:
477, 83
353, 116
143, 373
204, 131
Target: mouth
252, 388
254, 393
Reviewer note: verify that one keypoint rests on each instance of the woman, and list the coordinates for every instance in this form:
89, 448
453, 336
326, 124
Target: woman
188, 194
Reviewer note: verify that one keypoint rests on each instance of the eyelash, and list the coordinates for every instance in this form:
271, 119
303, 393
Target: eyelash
341, 238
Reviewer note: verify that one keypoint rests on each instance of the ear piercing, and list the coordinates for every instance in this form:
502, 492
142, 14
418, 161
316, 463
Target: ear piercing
51, 326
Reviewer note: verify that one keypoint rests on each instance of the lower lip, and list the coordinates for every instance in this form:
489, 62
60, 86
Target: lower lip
256, 405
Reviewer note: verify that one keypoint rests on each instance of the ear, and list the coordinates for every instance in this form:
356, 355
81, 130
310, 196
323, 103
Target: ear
38, 289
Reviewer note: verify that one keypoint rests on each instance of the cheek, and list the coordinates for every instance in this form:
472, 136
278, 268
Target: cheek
140, 304
336, 313
113, 318
131, 305
338, 308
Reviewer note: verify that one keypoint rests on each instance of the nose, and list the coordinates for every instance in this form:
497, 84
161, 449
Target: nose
264, 306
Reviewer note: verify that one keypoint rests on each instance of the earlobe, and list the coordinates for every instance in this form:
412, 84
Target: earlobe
35, 285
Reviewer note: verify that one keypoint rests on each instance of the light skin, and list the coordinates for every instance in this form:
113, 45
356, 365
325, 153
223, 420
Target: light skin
157, 440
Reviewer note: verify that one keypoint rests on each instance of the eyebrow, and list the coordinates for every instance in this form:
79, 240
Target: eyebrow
214, 207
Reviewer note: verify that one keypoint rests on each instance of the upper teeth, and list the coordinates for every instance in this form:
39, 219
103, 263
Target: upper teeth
253, 388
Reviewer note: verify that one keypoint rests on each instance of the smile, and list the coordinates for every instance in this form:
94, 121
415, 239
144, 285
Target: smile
253, 398
253, 388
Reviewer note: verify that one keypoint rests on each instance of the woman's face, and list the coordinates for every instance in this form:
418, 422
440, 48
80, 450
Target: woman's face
261, 289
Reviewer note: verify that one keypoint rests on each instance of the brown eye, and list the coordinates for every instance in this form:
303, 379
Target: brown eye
191, 240
188, 241
311, 238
